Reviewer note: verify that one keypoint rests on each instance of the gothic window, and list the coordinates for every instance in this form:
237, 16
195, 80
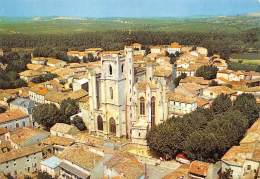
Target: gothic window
153, 111
112, 126
122, 68
111, 92
110, 70
100, 123
142, 106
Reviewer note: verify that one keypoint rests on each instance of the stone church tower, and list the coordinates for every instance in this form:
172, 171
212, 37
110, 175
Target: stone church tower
113, 92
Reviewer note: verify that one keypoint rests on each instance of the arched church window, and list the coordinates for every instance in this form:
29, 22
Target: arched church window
110, 70
100, 123
142, 106
111, 92
122, 68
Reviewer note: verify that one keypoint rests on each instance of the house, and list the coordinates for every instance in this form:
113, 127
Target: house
24, 137
53, 97
123, 165
173, 48
5, 146
80, 84
197, 80
23, 104
180, 173
6, 96
156, 49
202, 51
51, 166
21, 161
29, 75
199, 170
180, 104
94, 51
77, 166
39, 60
37, 94
13, 119
244, 160
63, 130
213, 91
52, 62
57, 143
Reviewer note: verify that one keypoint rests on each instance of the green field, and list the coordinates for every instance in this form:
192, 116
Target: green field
54, 25
246, 58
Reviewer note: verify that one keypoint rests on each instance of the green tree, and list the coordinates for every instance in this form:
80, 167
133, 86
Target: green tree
221, 104
207, 72
179, 78
68, 108
43, 175
246, 103
46, 115
79, 123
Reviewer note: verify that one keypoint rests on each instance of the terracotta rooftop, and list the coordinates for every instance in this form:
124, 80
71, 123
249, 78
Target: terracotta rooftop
179, 173
88, 162
162, 71
30, 73
221, 89
39, 90
142, 85
18, 153
57, 140
64, 128
177, 97
199, 168
175, 45
12, 114
3, 130
193, 79
24, 134
126, 164
54, 61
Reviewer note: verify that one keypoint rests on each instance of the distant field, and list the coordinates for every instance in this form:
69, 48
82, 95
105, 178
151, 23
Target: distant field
57, 25
246, 58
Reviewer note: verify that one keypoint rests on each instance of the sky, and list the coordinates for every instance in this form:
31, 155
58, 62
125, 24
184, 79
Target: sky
127, 8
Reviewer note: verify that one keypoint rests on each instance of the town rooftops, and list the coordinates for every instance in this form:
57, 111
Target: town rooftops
126, 165
56, 97
54, 61
11, 115
93, 49
179, 173
221, 89
3, 130
193, 79
23, 102
175, 45
57, 140
162, 71
19, 153
199, 168
30, 73
21, 135
74, 170
177, 97
237, 154
52, 162
75, 154
39, 90
64, 128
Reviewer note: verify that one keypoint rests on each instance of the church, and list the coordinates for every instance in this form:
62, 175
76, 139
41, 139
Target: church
127, 98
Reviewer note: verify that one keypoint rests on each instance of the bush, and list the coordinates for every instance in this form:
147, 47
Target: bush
79, 123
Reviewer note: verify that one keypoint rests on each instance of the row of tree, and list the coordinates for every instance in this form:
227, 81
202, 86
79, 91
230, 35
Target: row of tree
44, 78
10, 65
217, 42
49, 114
205, 134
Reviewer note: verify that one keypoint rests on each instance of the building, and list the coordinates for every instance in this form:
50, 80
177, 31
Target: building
180, 173
21, 161
63, 130
123, 165
51, 166
199, 170
55, 63
173, 48
39, 60
76, 166
23, 104
29, 75
37, 94
13, 119
57, 143
213, 91
80, 84
24, 137
180, 104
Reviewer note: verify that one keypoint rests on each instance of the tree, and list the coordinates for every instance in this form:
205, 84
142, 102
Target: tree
46, 115
43, 175
69, 107
213, 83
227, 174
207, 72
246, 103
2, 109
179, 78
221, 104
79, 123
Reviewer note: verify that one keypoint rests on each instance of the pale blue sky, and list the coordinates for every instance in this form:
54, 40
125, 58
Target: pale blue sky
127, 8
